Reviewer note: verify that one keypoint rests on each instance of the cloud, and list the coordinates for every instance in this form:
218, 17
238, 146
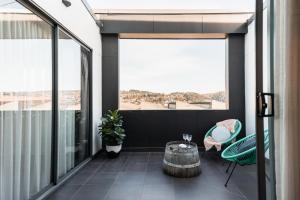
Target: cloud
172, 65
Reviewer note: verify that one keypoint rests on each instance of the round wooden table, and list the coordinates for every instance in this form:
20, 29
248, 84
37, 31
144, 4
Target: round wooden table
181, 162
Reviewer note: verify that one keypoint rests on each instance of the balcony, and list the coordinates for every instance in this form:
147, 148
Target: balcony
63, 76
139, 176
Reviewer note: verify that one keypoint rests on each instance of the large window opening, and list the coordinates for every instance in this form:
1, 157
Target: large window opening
164, 74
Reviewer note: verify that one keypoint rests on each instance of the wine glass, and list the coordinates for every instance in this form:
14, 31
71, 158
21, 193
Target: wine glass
189, 139
185, 136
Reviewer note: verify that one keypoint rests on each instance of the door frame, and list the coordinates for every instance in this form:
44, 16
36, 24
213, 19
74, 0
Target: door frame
260, 150
260, 154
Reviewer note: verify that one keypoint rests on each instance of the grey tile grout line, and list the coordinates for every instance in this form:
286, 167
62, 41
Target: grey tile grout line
110, 188
83, 184
117, 176
146, 170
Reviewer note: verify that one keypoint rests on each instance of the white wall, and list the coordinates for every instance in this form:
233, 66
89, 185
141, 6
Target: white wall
250, 79
78, 20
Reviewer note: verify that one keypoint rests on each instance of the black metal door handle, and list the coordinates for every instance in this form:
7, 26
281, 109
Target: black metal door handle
262, 106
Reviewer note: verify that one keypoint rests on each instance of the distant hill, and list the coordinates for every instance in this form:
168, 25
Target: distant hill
138, 96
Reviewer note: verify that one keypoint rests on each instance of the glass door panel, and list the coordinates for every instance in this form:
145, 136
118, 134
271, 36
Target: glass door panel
25, 102
73, 110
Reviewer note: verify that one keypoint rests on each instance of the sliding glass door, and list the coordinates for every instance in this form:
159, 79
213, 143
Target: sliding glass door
31, 119
268, 87
25, 102
73, 98
265, 98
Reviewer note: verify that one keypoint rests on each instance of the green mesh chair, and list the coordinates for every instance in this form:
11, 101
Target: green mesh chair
234, 154
238, 127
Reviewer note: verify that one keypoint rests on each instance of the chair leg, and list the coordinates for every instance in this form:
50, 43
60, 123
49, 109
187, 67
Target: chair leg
230, 174
228, 167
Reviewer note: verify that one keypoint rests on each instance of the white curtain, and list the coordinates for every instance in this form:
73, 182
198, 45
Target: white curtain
25, 141
287, 90
25, 105
66, 142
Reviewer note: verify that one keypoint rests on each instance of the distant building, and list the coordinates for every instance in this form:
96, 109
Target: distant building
172, 105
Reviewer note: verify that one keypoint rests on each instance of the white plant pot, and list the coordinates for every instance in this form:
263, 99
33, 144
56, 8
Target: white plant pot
115, 149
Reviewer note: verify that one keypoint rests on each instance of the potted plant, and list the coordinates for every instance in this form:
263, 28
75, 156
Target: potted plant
112, 132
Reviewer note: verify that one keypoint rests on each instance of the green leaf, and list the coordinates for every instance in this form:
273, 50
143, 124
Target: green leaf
111, 128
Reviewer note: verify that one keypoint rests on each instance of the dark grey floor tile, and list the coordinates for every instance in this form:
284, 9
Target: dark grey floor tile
218, 180
107, 175
131, 178
198, 180
100, 178
193, 192
135, 166
91, 192
113, 166
121, 191
64, 193
227, 196
79, 178
154, 166
158, 177
158, 192
139, 157
249, 190
199, 188
156, 157
91, 167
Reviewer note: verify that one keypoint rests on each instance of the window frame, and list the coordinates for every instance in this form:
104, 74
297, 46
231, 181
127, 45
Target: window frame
56, 90
178, 37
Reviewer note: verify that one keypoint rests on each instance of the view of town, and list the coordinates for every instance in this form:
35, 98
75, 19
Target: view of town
145, 100
172, 74
39, 100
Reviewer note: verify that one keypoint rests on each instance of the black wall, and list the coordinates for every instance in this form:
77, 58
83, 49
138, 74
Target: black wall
153, 128
110, 72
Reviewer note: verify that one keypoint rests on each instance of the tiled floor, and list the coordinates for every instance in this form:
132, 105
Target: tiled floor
138, 176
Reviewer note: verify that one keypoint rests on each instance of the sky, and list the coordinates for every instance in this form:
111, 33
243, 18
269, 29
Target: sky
172, 65
243, 5
33, 65
11, 5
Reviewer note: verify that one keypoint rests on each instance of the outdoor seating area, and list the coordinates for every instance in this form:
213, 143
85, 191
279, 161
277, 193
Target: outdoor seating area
139, 176
176, 173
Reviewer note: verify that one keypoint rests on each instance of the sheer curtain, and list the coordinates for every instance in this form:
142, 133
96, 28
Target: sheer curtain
287, 119
25, 105
66, 142
84, 119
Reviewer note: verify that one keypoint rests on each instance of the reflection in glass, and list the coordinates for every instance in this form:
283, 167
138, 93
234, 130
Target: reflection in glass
25, 102
72, 104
